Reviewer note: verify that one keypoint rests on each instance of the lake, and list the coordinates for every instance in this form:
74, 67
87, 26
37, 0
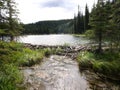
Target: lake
53, 39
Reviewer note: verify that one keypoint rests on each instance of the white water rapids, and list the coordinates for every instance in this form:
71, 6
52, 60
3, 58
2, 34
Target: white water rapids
55, 73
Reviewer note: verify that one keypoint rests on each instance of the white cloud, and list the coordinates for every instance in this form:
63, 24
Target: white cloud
37, 10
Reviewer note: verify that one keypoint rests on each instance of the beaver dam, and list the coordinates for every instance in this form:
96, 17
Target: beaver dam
61, 72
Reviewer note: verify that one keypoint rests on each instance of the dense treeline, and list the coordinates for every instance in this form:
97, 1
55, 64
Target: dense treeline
9, 22
48, 27
78, 25
105, 23
81, 22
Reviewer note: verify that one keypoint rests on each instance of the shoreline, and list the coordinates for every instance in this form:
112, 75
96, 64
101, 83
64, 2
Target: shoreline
72, 52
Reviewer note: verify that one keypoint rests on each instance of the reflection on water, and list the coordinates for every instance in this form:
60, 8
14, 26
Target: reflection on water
60, 39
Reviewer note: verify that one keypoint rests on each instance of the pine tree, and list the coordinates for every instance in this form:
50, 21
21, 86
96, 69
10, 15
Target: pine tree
98, 21
3, 24
75, 21
109, 32
13, 21
86, 18
79, 23
78, 28
9, 22
116, 21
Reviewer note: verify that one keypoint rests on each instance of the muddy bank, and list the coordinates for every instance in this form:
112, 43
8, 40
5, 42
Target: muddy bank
55, 73
99, 83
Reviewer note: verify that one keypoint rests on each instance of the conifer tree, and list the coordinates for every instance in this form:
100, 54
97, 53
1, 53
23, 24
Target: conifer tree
13, 21
86, 18
116, 21
75, 25
98, 21
79, 23
3, 24
9, 22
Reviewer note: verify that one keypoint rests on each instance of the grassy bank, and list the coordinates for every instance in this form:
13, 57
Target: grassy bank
107, 64
79, 35
14, 55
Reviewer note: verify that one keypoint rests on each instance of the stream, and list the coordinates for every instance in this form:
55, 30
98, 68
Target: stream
55, 73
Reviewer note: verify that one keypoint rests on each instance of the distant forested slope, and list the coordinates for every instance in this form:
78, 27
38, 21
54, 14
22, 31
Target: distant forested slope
50, 27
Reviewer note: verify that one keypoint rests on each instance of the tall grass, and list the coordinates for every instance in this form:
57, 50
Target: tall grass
31, 57
107, 64
12, 56
10, 75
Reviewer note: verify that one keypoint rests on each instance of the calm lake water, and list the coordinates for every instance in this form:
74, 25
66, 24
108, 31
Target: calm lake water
59, 39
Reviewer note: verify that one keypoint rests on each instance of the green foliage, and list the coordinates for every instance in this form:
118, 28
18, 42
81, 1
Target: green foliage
90, 34
86, 18
9, 22
105, 21
49, 27
10, 77
107, 64
79, 23
85, 59
47, 52
31, 57
12, 56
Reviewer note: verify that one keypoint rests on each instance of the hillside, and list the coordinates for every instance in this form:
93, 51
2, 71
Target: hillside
49, 27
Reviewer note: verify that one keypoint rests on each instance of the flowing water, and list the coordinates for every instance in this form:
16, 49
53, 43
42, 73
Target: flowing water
55, 73
61, 72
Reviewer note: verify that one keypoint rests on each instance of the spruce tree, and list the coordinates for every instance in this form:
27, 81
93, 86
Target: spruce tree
78, 28
98, 21
14, 28
116, 21
109, 32
86, 18
9, 22
3, 24
79, 23
75, 24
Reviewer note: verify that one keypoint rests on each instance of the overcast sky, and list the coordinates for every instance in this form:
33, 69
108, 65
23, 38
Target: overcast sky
39, 10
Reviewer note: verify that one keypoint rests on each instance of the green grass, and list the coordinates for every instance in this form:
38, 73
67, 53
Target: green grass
14, 55
10, 76
31, 57
107, 64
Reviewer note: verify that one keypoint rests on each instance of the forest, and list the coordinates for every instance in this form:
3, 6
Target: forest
78, 25
101, 26
49, 27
